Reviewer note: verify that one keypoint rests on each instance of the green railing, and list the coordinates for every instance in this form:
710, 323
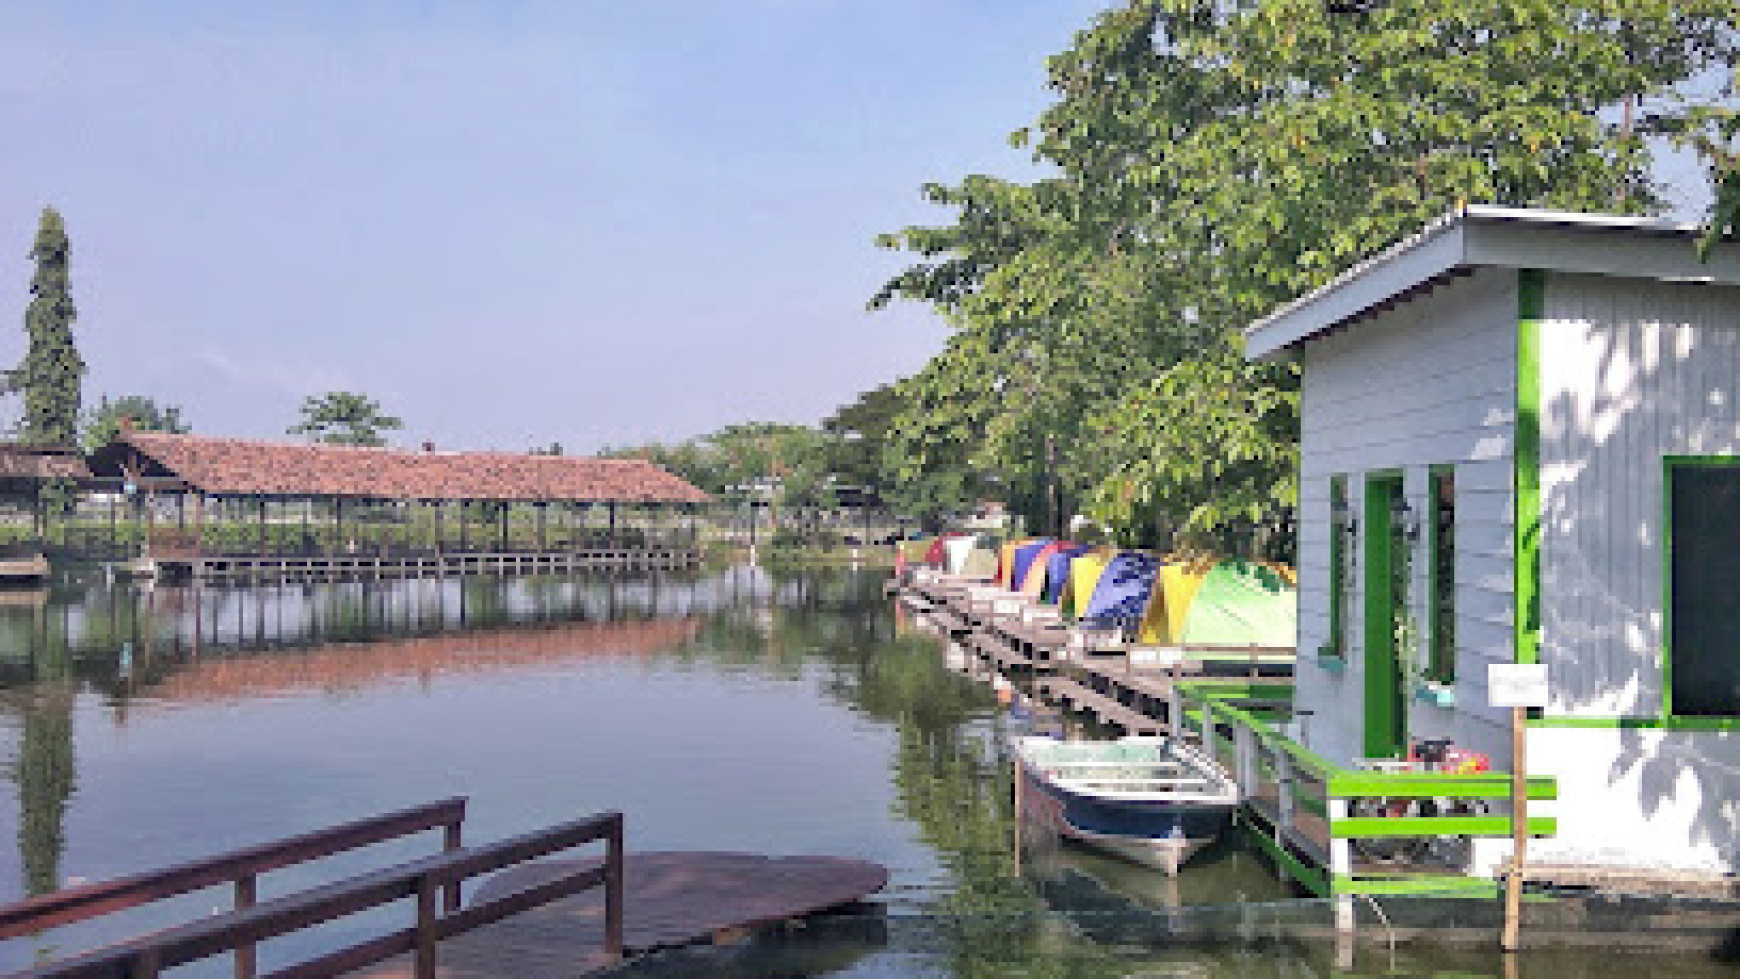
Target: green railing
1307, 812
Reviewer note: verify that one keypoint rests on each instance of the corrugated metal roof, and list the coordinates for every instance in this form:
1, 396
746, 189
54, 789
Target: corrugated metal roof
246, 467
1491, 236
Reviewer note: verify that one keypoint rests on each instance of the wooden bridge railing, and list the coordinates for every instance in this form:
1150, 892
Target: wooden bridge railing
144, 958
240, 868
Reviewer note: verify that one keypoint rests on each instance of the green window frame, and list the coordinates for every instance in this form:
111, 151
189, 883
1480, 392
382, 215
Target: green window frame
1441, 576
1717, 568
1340, 524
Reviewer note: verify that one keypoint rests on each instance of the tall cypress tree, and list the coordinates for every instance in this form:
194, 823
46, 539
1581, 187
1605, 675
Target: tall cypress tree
53, 371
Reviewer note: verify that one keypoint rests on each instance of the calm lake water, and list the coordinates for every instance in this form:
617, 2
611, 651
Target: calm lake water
745, 709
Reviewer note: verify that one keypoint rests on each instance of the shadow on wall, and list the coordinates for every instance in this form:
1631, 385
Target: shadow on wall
1649, 386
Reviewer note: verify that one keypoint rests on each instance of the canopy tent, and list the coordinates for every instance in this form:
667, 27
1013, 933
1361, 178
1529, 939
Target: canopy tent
1221, 602
1024, 559
1057, 570
908, 553
1084, 574
1033, 583
958, 548
937, 552
981, 563
1121, 594
1006, 563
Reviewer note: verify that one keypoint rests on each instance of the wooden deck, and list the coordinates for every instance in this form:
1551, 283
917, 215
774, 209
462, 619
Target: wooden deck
670, 900
257, 567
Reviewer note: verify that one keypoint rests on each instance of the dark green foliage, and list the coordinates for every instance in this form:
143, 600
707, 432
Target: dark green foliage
52, 372
344, 418
102, 423
1210, 161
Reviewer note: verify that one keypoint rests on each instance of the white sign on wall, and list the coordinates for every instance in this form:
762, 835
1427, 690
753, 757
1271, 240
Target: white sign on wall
1516, 684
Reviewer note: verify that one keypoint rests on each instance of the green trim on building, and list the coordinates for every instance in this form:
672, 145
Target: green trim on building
1426, 785
1337, 644
1441, 642
1385, 722
1668, 464
1526, 466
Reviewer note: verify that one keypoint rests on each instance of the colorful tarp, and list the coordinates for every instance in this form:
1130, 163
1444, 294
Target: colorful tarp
981, 563
1033, 584
1057, 570
1121, 594
1221, 602
1023, 564
1084, 574
935, 554
1006, 563
958, 549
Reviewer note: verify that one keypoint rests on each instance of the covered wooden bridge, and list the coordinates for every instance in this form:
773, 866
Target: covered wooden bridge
220, 507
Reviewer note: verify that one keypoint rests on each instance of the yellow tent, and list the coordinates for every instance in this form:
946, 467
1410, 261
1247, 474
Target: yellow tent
1006, 564
1084, 574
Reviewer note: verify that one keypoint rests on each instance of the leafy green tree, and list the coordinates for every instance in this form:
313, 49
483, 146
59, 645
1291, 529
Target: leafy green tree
1212, 160
102, 423
53, 372
344, 418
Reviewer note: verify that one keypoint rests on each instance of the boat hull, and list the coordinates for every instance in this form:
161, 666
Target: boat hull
1158, 834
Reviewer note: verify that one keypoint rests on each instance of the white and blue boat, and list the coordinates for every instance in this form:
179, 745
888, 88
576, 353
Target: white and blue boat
1153, 800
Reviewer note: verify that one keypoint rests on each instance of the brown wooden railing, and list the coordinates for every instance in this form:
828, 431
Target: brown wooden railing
240, 868
145, 957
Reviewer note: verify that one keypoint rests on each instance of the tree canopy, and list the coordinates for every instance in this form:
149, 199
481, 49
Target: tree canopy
102, 423
52, 373
1208, 161
344, 418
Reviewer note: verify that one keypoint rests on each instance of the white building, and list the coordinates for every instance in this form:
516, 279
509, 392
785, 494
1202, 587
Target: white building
1521, 443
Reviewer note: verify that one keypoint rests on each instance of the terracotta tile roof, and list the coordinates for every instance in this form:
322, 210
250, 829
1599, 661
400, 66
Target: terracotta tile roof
225, 466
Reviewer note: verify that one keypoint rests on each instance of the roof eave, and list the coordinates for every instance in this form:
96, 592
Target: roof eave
1485, 236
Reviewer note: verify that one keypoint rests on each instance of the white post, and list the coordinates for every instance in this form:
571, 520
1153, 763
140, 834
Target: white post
1283, 792
1340, 865
1245, 747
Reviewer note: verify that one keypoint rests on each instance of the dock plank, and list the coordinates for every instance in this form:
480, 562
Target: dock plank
670, 900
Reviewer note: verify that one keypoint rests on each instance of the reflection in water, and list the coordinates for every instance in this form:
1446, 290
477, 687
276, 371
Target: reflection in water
730, 683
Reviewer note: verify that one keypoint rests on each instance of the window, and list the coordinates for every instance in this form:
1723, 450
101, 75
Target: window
1340, 525
1703, 567
1441, 657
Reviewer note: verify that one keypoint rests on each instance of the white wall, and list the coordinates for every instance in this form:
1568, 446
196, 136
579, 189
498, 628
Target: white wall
1430, 382
1631, 370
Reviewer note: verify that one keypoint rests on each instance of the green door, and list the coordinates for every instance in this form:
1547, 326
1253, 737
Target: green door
1385, 713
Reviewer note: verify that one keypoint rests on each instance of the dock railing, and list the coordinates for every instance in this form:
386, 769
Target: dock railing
241, 869
423, 880
1311, 814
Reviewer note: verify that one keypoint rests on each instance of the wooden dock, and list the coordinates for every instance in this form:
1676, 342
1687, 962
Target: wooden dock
670, 900
326, 567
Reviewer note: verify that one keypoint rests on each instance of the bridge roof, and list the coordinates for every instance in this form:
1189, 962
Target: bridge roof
248, 467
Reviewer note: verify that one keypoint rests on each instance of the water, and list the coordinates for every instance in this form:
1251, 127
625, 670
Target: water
739, 709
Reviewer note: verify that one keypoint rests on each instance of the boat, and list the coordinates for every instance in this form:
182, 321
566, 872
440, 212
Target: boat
1152, 800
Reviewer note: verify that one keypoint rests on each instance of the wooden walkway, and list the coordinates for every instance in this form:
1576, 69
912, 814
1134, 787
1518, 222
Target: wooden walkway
274, 567
670, 900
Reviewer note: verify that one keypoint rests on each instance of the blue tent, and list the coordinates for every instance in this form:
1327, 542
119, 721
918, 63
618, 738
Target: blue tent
1057, 570
1122, 592
1024, 556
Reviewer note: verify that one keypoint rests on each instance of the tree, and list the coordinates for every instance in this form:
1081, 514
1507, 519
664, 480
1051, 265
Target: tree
344, 418
52, 372
1213, 160
102, 423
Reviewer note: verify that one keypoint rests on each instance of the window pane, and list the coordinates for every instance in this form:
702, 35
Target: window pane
1705, 569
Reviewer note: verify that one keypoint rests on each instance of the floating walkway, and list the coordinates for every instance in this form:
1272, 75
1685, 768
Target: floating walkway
257, 567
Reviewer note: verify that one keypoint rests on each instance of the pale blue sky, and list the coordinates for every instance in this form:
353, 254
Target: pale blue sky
511, 222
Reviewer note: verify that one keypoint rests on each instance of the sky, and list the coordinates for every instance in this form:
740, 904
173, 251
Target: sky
511, 223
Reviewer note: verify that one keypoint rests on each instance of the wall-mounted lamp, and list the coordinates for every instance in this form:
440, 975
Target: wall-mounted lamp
1403, 517
1341, 516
